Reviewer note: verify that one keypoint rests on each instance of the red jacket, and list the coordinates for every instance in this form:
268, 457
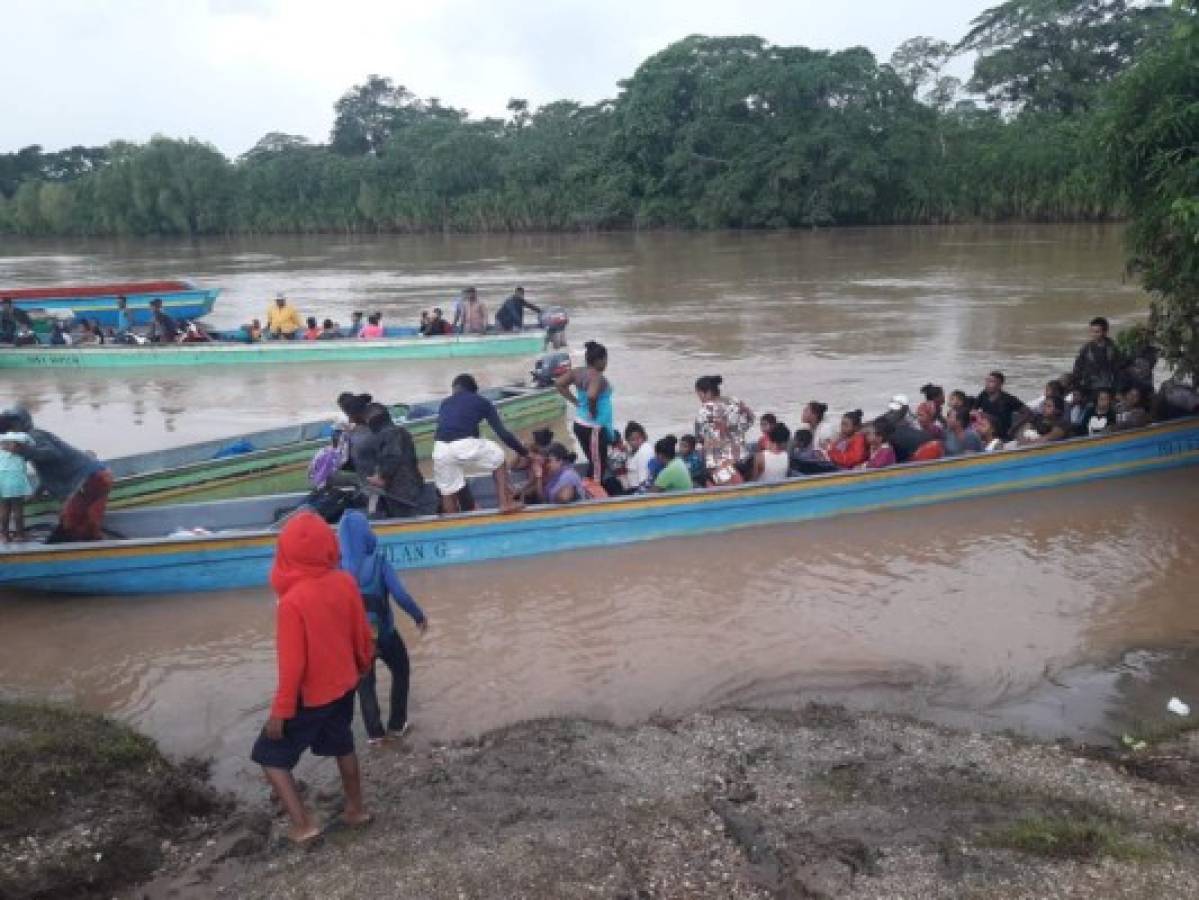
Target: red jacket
851, 453
322, 637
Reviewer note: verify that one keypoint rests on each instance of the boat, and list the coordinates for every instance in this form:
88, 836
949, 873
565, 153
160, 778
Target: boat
181, 299
276, 460
162, 552
403, 344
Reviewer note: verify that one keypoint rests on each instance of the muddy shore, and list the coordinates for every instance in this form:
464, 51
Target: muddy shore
820, 802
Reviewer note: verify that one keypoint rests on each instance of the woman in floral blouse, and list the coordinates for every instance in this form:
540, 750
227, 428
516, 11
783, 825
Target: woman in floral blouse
722, 425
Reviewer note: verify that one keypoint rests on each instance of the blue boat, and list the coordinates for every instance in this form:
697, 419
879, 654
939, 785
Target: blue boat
236, 547
180, 299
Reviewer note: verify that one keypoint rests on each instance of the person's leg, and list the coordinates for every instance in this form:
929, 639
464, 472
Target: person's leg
585, 435
395, 656
5, 516
368, 698
303, 827
504, 491
18, 519
351, 783
449, 504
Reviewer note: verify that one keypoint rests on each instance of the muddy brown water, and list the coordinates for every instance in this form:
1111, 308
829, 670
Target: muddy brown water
967, 611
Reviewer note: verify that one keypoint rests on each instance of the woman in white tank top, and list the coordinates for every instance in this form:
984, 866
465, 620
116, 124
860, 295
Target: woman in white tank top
771, 463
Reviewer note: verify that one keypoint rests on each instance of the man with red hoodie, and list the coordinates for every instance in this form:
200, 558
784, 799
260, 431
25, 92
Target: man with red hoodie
324, 648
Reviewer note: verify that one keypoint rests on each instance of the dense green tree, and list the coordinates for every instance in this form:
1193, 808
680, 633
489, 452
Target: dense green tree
1056, 55
1153, 148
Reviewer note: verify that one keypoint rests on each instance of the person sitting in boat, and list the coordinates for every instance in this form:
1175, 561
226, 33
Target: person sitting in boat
511, 315
90, 334
765, 423
357, 320
906, 433
986, 426
313, 330
163, 328
960, 438
1043, 427
772, 462
124, 319
438, 326
927, 420
1100, 416
995, 401
329, 331
878, 439
814, 416
396, 472
934, 394
1099, 363
195, 333
78, 479
722, 426
804, 457
458, 450
1130, 411
529, 471
673, 474
849, 450
959, 400
13, 322
283, 320
563, 484
372, 330
640, 455
329, 459
617, 482
691, 456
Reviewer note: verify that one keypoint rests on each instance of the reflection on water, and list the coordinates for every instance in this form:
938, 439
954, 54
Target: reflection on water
963, 606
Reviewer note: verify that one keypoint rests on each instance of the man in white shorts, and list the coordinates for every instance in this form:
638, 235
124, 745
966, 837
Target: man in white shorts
460, 453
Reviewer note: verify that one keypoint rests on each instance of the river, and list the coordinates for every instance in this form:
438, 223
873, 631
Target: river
966, 610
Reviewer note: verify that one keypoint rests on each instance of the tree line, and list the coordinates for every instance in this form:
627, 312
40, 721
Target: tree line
711, 132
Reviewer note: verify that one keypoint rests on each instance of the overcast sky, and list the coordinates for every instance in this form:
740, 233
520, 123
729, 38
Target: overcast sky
228, 71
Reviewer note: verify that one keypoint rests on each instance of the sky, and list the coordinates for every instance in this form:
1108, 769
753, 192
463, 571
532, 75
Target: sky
229, 71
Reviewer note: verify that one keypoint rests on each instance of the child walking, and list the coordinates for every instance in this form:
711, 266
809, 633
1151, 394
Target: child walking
379, 584
324, 647
14, 482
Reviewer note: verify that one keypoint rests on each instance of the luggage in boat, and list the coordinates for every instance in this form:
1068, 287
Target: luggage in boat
330, 503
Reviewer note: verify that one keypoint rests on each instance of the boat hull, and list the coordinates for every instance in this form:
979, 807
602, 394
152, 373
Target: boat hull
199, 473
240, 559
181, 300
270, 352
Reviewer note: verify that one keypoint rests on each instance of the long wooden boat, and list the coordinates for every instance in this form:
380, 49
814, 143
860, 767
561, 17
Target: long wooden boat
239, 551
226, 353
181, 299
276, 460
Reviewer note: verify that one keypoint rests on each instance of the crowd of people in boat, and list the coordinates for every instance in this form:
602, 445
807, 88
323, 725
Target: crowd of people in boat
1103, 393
284, 321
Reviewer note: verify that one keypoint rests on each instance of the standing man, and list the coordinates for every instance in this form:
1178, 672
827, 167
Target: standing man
997, 402
324, 648
1099, 363
163, 329
12, 321
511, 316
283, 319
470, 316
395, 469
67, 474
124, 320
459, 452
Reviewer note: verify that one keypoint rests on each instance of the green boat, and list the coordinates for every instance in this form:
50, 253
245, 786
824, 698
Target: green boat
276, 461
229, 353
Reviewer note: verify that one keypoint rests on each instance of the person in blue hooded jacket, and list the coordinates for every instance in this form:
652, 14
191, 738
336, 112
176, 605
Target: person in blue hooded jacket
379, 584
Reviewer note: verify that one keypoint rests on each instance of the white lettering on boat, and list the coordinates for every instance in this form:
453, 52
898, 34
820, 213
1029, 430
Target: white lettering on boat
54, 360
1178, 446
422, 551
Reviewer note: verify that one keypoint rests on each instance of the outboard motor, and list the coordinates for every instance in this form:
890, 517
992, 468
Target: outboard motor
549, 366
554, 320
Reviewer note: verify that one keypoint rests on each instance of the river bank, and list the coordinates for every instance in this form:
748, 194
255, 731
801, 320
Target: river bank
816, 802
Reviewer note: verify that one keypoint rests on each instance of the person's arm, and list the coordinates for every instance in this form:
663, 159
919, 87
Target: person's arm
292, 652
528, 305
1080, 367
363, 640
564, 383
759, 466
401, 596
493, 419
38, 451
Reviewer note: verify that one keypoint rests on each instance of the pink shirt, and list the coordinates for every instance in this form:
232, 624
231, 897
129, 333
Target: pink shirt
883, 456
370, 332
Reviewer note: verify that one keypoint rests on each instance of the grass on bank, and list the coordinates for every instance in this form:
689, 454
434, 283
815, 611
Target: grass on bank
49, 752
1062, 838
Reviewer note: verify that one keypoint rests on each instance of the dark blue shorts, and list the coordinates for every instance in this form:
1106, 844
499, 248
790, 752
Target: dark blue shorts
325, 730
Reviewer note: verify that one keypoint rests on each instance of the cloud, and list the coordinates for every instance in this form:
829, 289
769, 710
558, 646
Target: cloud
228, 71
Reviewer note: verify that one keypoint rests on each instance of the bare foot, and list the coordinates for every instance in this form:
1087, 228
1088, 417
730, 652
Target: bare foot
303, 836
358, 819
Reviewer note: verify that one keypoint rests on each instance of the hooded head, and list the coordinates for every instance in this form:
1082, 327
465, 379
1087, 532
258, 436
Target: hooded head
307, 549
20, 417
357, 543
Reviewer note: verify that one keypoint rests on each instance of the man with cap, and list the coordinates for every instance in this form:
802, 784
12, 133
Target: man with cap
67, 474
283, 320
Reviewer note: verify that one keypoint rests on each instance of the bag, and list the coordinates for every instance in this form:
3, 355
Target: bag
330, 502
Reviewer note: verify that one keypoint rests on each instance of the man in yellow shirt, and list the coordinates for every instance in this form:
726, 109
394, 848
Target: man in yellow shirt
283, 320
